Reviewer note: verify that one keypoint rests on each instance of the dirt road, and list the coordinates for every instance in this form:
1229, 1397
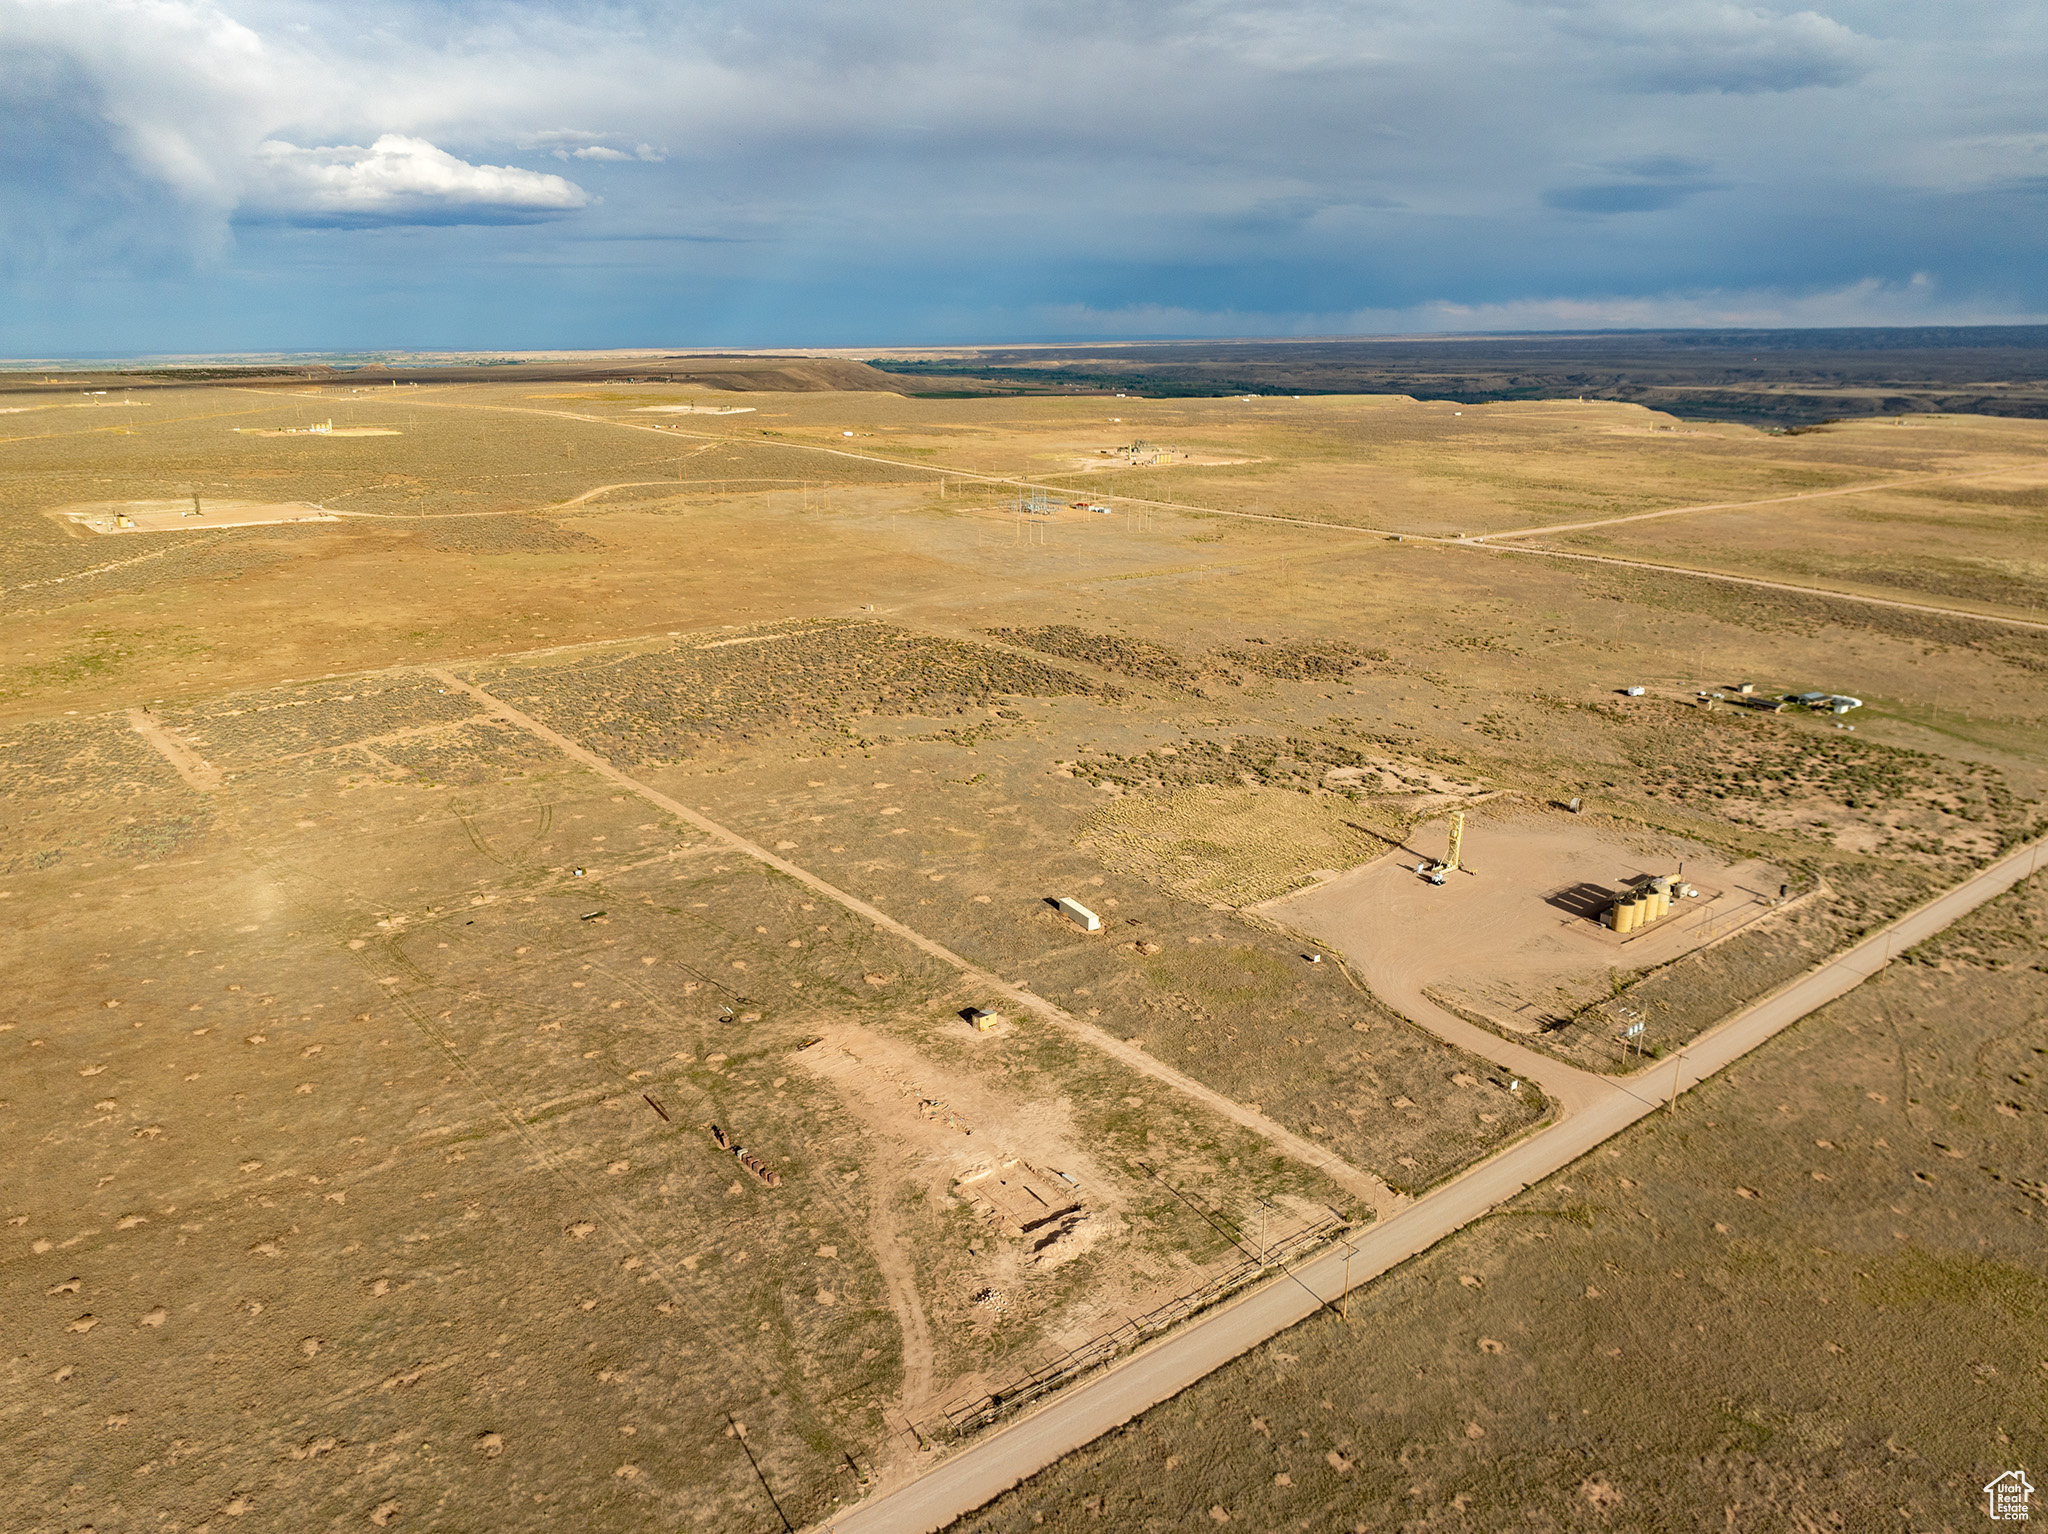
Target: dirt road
1475, 541
1572, 1089
1769, 500
1829, 592
992, 1465
1361, 1184
197, 772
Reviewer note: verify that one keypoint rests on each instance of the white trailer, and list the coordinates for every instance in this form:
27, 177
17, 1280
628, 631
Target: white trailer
1079, 914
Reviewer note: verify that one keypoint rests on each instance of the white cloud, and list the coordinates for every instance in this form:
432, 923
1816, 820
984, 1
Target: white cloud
1298, 155
398, 180
579, 144
1737, 50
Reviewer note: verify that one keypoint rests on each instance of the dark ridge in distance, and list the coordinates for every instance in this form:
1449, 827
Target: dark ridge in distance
1761, 377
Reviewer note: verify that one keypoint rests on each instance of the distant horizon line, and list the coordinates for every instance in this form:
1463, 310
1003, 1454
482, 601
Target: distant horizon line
504, 356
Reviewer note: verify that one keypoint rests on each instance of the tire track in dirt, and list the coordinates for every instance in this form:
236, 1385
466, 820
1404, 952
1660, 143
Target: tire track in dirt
1571, 1088
119, 564
1768, 500
629, 484
899, 1284
1831, 593
195, 769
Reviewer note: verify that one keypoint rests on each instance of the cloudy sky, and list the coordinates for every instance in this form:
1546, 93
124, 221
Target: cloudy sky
215, 175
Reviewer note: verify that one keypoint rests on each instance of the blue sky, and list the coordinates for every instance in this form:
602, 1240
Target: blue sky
192, 176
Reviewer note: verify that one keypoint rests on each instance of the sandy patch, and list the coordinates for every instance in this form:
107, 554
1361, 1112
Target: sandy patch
188, 763
693, 410
327, 429
90, 404
1097, 462
1517, 932
950, 1125
190, 515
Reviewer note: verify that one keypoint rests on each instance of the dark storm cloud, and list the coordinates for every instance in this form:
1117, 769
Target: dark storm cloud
1648, 184
821, 170
1616, 197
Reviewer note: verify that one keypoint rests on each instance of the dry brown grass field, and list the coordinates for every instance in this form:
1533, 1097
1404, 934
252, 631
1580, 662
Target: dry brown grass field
395, 902
1811, 1298
1975, 542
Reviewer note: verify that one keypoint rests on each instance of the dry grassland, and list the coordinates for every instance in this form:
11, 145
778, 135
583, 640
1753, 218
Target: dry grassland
1812, 1299
377, 1087
1979, 543
367, 1044
1235, 846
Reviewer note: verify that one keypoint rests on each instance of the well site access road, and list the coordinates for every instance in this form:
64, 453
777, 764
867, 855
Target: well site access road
1769, 500
1361, 1184
1473, 541
1597, 1108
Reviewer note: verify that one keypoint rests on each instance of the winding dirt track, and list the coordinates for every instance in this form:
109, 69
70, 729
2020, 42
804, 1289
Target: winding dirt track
1607, 1105
1829, 592
1476, 541
1769, 500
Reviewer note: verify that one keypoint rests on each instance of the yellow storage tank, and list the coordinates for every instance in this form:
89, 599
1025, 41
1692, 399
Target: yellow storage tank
1628, 914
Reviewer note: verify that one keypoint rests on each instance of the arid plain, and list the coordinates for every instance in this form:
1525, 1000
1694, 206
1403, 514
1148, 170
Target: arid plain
399, 890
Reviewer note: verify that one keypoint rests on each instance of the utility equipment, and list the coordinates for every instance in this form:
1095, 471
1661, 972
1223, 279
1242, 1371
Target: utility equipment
1450, 862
